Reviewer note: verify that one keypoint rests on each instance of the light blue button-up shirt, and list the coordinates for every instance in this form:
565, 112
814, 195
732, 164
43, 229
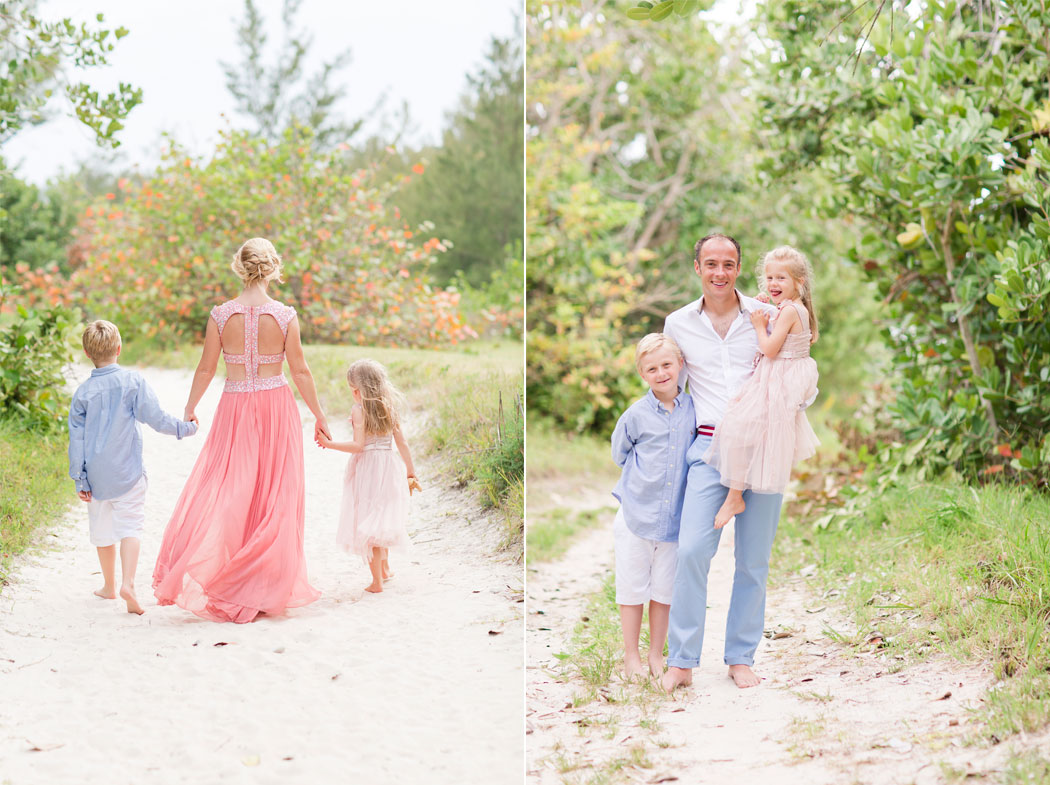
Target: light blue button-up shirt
105, 442
650, 443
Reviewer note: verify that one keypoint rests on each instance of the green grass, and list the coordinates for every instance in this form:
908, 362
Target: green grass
34, 487
552, 532
583, 458
947, 567
469, 398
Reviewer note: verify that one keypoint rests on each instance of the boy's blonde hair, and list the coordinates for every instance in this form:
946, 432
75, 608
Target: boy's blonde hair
801, 273
379, 398
257, 261
101, 341
651, 343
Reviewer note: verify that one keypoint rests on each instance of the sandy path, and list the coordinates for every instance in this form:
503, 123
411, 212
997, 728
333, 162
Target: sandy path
825, 713
406, 686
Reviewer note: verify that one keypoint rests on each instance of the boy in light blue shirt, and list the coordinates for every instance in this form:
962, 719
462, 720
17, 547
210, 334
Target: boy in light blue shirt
650, 442
105, 456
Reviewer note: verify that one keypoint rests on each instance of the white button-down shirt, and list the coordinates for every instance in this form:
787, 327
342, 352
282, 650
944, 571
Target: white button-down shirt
715, 367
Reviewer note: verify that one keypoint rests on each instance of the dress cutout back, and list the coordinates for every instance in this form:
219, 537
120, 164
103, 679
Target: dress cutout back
251, 359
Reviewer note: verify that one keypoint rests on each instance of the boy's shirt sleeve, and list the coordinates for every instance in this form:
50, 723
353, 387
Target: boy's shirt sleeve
77, 456
148, 411
622, 439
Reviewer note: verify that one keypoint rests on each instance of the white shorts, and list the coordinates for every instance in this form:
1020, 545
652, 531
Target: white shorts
644, 568
112, 520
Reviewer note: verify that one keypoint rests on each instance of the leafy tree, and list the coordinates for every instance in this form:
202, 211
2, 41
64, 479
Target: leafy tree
933, 133
35, 226
32, 54
158, 254
473, 189
271, 87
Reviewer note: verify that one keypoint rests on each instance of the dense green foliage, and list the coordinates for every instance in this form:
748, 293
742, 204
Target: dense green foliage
642, 140
35, 224
934, 136
33, 52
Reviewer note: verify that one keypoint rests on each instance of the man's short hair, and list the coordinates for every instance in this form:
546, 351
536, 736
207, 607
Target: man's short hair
716, 236
101, 340
651, 343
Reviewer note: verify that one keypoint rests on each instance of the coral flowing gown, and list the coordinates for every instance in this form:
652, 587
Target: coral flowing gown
234, 545
765, 430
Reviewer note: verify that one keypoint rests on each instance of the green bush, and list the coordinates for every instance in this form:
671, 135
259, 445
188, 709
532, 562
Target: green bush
35, 345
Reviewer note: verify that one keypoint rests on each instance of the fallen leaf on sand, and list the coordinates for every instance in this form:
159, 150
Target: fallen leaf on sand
33, 747
945, 696
665, 778
250, 760
817, 610
221, 643
495, 632
780, 635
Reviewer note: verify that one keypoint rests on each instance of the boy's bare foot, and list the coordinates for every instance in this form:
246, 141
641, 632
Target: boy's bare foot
732, 506
106, 594
676, 677
374, 587
128, 595
632, 667
744, 676
656, 665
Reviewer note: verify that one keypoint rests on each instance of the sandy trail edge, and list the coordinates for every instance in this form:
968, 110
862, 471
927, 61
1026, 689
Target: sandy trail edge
407, 686
824, 714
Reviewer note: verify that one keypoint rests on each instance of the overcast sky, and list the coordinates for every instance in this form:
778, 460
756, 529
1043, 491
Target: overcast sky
419, 51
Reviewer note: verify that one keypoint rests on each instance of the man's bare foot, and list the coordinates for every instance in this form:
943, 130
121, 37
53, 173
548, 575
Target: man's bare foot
374, 587
656, 665
675, 678
732, 506
744, 676
128, 595
106, 593
632, 667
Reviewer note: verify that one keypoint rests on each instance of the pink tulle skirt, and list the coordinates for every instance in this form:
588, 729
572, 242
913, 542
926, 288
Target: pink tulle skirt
765, 431
374, 511
234, 545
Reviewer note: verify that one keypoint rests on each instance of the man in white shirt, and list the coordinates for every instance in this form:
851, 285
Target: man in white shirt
719, 344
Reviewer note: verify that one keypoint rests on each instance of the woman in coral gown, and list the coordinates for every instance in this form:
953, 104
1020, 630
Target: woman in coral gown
234, 545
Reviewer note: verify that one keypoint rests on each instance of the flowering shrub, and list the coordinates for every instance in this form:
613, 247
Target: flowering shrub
154, 257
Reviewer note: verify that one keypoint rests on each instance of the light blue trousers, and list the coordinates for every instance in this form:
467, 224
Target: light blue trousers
697, 542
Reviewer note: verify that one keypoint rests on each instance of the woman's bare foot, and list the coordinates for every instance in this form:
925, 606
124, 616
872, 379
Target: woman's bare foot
675, 678
128, 595
656, 665
733, 505
744, 676
632, 667
374, 587
106, 593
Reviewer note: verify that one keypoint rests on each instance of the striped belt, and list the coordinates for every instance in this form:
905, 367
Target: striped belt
705, 430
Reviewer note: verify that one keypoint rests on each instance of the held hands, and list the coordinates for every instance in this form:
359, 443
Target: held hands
321, 440
85, 496
322, 435
190, 416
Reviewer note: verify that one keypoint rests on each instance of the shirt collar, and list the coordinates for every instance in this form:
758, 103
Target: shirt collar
744, 303
679, 399
105, 369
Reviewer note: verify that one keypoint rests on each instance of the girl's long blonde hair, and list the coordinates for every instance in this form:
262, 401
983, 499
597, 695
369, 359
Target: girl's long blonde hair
801, 273
380, 400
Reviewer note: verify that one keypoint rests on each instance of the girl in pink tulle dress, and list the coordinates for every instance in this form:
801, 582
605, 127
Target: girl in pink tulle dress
378, 482
234, 545
765, 430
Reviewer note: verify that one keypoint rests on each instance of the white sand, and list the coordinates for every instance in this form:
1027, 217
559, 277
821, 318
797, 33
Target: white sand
825, 714
406, 686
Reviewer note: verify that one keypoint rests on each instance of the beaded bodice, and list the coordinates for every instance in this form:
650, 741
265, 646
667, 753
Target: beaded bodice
251, 359
796, 345
379, 443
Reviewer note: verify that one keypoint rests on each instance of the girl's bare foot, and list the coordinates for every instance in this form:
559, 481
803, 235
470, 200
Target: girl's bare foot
744, 676
675, 678
733, 505
106, 593
656, 665
374, 587
387, 572
632, 667
128, 595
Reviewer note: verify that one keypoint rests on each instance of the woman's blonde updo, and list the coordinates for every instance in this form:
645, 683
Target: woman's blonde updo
257, 262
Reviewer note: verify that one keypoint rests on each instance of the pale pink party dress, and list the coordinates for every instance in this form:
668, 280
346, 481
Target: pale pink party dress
234, 545
374, 511
765, 430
